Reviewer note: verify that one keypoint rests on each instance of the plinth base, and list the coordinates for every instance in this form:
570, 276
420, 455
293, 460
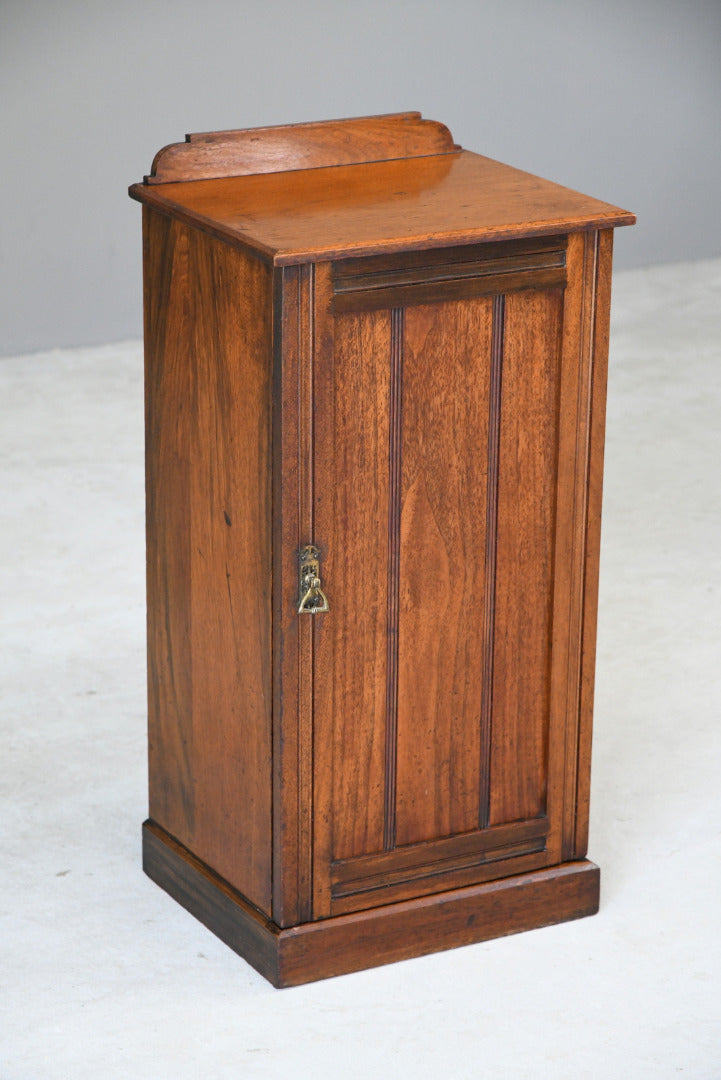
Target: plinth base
380, 935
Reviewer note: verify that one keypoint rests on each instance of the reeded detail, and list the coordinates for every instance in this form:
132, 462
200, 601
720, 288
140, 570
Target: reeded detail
306, 522
494, 438
394, 557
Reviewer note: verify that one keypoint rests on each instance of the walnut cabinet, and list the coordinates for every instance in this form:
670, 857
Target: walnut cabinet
375, 384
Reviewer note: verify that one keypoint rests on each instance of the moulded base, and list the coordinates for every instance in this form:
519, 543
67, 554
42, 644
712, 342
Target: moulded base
380, 935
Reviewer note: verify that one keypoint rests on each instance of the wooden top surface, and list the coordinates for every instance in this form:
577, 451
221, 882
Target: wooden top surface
330, 212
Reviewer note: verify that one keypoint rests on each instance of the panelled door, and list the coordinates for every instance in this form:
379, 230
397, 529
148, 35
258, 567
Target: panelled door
448, 452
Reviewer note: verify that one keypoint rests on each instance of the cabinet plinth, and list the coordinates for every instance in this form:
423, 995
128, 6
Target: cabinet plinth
375, 390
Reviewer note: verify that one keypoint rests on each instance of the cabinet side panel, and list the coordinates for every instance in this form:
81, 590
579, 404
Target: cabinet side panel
351, 530
210, 782
597, 425
524, 572
444, 464
167, 451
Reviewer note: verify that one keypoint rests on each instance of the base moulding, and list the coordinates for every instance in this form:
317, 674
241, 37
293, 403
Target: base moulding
379, 935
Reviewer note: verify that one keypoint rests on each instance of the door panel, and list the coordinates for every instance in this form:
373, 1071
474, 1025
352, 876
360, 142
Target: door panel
351, 528
435, 477
444, 450
524, 560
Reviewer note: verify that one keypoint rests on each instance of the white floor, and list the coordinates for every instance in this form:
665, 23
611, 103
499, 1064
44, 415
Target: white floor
103, 975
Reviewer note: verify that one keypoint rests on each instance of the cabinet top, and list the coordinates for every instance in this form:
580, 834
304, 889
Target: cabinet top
334, 189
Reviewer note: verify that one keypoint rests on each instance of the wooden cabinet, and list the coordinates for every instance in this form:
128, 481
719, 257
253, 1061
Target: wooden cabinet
376, 371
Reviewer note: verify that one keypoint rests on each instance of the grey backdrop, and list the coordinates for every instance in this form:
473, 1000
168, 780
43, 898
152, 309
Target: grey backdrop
621, 100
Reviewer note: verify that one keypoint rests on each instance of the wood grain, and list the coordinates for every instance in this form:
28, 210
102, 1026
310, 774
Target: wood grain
289, 806
293, 649
526, 523
438, 865
445, 200
495, 379
168, 381
380, 935
395, 442
394, 932
585, 346
402, 361
580, 318
214, 902
352, 454
287, 147
448, 274
474, 869
444, 468
209, 580
471, 399
599, 359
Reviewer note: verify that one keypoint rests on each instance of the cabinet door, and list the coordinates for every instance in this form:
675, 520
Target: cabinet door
447, 467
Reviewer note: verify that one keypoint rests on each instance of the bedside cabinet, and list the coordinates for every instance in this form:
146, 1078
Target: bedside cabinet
375, 387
